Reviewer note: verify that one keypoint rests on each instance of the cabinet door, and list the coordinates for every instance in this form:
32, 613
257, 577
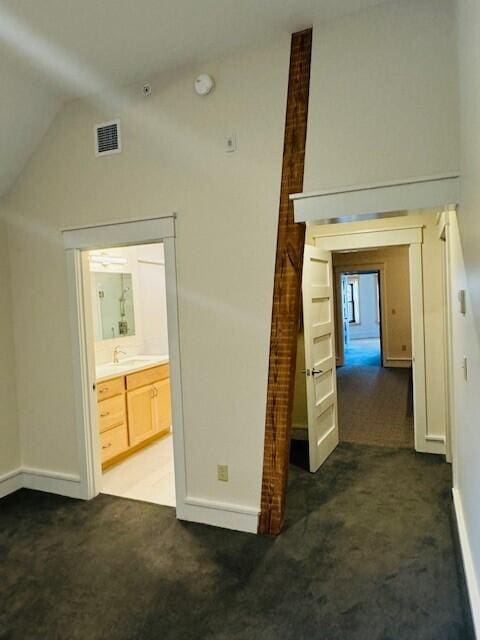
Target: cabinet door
162, 414
140, 414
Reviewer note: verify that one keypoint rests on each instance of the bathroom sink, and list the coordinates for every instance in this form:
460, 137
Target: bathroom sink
126, 365
133, 362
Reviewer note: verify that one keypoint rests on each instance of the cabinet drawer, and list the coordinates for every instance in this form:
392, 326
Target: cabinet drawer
111, 412
147, 376
110, 388
113, 442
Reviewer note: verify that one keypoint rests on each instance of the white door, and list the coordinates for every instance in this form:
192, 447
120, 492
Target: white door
317, 290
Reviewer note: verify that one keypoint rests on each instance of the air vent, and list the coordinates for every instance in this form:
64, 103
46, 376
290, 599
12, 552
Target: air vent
107, 138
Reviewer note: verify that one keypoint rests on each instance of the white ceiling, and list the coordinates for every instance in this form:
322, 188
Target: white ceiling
51, 50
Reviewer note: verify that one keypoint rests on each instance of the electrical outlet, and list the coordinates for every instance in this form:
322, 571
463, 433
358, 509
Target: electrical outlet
222, 472
404, 347
394, 311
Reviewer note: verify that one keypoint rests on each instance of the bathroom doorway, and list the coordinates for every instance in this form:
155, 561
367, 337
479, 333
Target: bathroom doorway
124, 320
129, 313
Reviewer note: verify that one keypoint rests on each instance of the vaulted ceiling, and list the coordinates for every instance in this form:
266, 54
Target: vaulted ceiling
53, 50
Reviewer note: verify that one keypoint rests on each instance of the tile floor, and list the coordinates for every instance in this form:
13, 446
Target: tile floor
148, 475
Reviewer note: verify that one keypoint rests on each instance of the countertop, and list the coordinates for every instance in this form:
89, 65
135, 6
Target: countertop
128, 365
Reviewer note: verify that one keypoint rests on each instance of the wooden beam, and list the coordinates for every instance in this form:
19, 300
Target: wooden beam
286, 292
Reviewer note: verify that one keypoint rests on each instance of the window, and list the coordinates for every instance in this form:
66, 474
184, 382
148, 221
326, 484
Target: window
352, 303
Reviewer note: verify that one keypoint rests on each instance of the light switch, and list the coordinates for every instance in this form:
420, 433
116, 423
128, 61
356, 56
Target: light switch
231, 143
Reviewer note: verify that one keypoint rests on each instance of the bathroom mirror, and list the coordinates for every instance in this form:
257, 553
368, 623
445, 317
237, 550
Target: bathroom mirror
113, 308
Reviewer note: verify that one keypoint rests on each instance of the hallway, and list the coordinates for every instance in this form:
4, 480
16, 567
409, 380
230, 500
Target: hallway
367, 554
375, 404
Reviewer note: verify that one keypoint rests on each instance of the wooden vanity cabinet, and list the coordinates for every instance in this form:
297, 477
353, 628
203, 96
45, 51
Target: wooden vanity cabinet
162, 414
149, 411
140, 414
113, 443
134, 410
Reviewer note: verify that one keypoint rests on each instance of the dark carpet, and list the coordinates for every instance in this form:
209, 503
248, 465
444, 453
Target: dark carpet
368, 552
375, 404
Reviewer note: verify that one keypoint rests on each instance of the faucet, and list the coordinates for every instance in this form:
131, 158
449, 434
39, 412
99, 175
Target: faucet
116, 353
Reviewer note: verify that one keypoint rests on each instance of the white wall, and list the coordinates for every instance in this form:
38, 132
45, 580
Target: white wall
466, 275
466, 449
152, 299
10, 443
173, 159
383, 98
368, 326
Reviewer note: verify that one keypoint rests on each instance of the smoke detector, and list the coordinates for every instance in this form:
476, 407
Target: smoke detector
204, 84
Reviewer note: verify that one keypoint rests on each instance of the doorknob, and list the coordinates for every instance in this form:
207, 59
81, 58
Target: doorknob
312, 372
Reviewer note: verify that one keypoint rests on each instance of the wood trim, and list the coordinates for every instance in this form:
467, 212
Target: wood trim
370, 238
315, 236
286, 292
122, 232
376, 199
374, 185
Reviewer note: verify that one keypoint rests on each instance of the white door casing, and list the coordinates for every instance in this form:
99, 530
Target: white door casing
77, 242
426, 439
321, 381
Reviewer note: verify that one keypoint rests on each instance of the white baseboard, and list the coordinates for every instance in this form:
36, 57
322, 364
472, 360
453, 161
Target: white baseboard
468, 565
398, 362
64, 484
219, 514
50, 481
10, 482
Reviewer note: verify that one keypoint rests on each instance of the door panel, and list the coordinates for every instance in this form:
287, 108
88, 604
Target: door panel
318, 305
162, 415
140, 414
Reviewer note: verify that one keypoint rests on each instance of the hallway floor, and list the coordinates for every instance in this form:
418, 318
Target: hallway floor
368, 553
365, 351
375, 404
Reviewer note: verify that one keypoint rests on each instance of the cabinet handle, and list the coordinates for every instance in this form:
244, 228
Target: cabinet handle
104, 415
104, 390
106, 446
